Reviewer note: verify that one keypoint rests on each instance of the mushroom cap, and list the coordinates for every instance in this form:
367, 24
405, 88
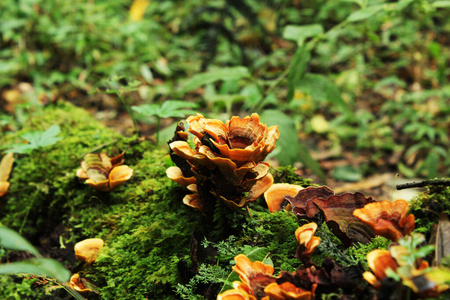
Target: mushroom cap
379, 260
275, 194
87, 250
4, 186
261, 185
305, 237
235, 294
119, 175
372, 279
77, 284
247, 269
96, 166
100, 186
286, 290
194, 201
387, 219
240, 139
200, 127
175, 174
102, 172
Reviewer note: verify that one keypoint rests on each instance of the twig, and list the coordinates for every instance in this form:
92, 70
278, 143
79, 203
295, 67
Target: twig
424, 183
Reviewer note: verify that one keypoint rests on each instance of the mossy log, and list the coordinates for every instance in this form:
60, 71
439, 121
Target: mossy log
155, 246
147, 230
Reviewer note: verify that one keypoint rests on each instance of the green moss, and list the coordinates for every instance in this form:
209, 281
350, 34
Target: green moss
17, 288
359, 252
286, 174
145, 226
276, 232
427, 206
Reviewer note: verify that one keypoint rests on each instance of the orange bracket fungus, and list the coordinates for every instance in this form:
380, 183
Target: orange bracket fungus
275, 194
5, 169
379, 261
79, 284
286, 291
395, 263
308, 242
387, 219
87, 250
102, 172
337, 210
255, 276
226, 162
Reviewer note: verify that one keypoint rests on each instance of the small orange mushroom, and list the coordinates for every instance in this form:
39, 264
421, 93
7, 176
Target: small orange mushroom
102, 172
387, 219
87, 250
78, 284
176, 175
379, 262
286, 291
308, 242
305, 237
275, 194
240, 292
254, 275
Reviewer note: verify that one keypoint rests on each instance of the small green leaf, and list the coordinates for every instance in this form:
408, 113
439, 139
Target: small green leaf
422, 252
169, 109
39, 267
432, 163
11, 240
365, 13
300, 33
321, 88
288, 144
172, 108
296, 70
147, 109
37, 139
309, 162
346, 173
288, 148
225, 74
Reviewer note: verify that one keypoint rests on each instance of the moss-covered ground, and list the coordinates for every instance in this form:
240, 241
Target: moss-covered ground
155, 247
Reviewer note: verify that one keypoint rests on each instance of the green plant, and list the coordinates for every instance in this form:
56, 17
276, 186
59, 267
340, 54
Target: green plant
69, 44
39, 266
36, 140
169, 109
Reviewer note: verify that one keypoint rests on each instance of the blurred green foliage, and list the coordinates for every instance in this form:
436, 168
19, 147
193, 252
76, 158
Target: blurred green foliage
381, 64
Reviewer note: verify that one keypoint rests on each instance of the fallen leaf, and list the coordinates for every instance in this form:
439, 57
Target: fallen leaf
5, 169
371, 182
337, 210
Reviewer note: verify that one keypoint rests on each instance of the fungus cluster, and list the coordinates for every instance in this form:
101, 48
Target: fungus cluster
226, 162
102, 172
307, 282
85, 251
387, 219
257, 280
401, 264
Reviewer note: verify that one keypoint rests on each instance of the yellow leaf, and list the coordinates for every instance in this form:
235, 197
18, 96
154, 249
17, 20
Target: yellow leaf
5, 169
137, 9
